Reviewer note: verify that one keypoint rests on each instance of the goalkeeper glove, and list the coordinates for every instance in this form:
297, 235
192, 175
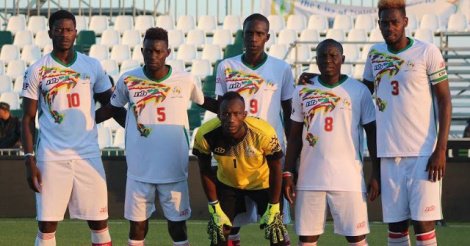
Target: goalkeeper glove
274, 229
216, 222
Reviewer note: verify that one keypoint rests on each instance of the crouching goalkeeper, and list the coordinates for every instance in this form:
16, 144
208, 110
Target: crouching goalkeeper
248, 158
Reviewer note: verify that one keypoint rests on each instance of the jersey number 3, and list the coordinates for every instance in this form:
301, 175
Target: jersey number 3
395, 88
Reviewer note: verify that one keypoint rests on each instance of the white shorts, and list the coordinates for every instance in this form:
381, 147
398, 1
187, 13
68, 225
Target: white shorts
140, 200
251, 216
80, 184
407, 192
348, 208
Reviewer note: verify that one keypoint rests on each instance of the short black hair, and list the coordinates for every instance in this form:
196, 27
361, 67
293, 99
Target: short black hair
5, 106
156, 33
59, 15
256, 17
332, 42
231, 95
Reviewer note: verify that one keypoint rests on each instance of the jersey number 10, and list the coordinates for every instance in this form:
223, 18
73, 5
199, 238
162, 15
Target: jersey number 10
73, 100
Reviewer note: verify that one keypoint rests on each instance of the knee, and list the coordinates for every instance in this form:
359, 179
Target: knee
97, 224
138, 229
308, 239
423, 226
401, 226
177, 230
355, 239
47, 226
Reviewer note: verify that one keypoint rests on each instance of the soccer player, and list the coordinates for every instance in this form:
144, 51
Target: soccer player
266, 83
328, 119
67, 169
413, 110
248, 154
156, 139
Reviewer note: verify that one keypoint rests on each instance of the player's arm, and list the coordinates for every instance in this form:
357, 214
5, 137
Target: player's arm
437, 163
294, 146
33, 174
107, 110
275, 180
207, 177
373, 188
210, 104
370, 85
306, 78
286, 112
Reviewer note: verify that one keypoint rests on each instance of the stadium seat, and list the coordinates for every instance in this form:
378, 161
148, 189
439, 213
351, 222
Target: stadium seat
175, 38
194, 118
336, 34
186, 53
37, 23
18, 85
129, 64
11, 98
207, 23
310, 35
212, 53
176, 65
296, 22
186, 23
208, 87
16, 23
357, 35
16, 68
318, 22
351, 52
6, 84
120, 52
222, 37
9, 52
30, 54
2, 67
144, 22
278, 50
47, 49
300, 53
131, 38
343, 22
123, 23
98, 23
233, 23
365, 52
5, 38
287, 36
23, 38
105, 137
457, 23
365, 22
42, 39
85, 39
271, 40
111, 67
276, 23
347, 69
375, 35
426, 35
99, 51
358, 71
431, 22
166, 22
313, 68
201, 68
119, 137
413, 22
137, 54
81, 23
196, 37
110, 38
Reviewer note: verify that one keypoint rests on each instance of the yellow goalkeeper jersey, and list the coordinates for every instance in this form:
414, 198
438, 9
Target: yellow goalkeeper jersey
242, 164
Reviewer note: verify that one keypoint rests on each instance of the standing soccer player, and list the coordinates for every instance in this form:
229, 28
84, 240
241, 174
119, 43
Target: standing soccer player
413, 110
157, 143
67, 169
328, 119
266, 83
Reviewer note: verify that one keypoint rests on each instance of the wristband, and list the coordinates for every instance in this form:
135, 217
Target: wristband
28, 154
214, 202
286, 174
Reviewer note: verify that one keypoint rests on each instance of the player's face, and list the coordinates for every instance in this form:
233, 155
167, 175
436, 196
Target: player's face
63, 34
155, 53
329, 60
232, 114
255, 35
392, 24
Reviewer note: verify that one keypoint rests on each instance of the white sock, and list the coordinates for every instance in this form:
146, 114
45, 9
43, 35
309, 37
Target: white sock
181, 243
45, 239
286, 236
307, 244
235, 237
131, 242
426, 239
398, 238
363, 242
101, 237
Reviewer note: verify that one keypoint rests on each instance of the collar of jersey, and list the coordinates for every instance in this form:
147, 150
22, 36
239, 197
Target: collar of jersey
157, 80
399, 51
63, 64
342, 78
265, 58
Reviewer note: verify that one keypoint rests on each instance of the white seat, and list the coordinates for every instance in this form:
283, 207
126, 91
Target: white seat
318, 22
278, 50
81, 23
6, 84
98, 24
272, 40
201, 68
105, 137
358, 71
287, 36
310, 35
18, 85
119, 138
413, 22
137, 54
357, 35
131, 38
11, 98
42, 39
110, 37
123, 23
375, 35
16, 68
276, 23
351, 52
37, 23
16, 23
185, 23
129, 64
176, 65
120, 52
347, 69
296, 22
313, 68
222, 37
343, 22
186, 53
144, 22
47, 49
207, 23
99, 51
23, 38
300, 53
111, 67
212, 53
196, 37
365, 22
457, 23
336, 34
426, 35
30, 54
365, 52
175, 38
9, 52
232, 23
2, 67
166, 22
430, 21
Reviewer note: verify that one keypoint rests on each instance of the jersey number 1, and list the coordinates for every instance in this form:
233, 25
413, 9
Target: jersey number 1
73, 100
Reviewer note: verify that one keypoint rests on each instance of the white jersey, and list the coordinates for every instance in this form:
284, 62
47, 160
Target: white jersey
66, 108
333, 116
406, 116
263, 87
157, 142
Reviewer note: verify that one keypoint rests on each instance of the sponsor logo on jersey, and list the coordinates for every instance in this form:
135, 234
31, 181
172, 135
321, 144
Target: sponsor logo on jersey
219, 150
140, 93
429, 209
361, 225
244, 83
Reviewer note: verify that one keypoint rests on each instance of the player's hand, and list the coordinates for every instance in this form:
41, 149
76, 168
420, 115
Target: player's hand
289, 188
271, 222
373, 188
218, 219
33, 175
305, 78
436, 167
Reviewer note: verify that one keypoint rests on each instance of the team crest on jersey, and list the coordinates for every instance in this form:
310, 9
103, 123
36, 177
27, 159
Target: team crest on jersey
176, 91
155, 93
243, 83
57, 80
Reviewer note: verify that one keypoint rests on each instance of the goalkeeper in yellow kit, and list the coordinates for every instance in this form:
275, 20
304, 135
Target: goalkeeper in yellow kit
248, 154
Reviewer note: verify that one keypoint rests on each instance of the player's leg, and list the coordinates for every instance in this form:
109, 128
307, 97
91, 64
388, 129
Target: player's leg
89, 199
310, 211
425, 203
174, 199
229, 199
138, 207
395, 203
248, 216
51, 203
349, 211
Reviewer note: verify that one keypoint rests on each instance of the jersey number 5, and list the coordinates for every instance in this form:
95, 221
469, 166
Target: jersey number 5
73, 100
161, 115
329, 124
